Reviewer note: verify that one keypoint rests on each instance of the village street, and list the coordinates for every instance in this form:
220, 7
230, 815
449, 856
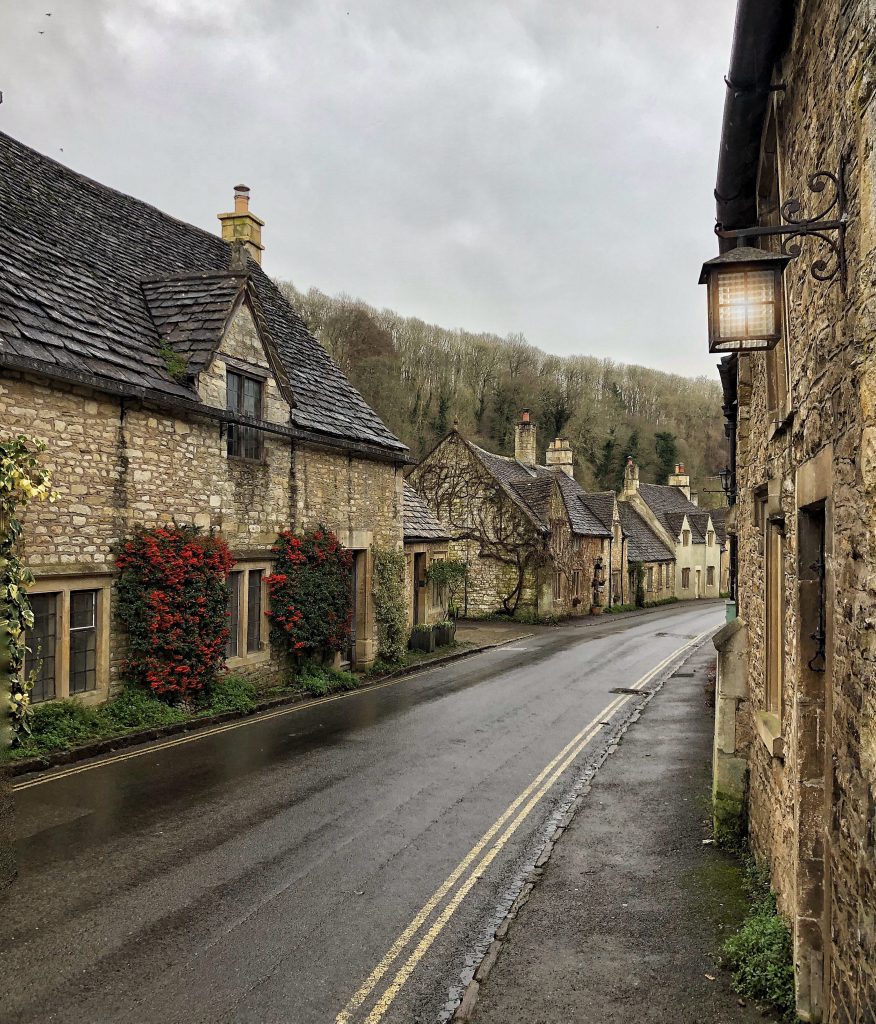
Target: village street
261, 874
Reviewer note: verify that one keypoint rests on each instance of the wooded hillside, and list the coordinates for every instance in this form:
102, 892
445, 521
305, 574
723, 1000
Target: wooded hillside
419, 377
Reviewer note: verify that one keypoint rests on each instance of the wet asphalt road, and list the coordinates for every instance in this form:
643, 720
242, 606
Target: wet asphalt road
259, 875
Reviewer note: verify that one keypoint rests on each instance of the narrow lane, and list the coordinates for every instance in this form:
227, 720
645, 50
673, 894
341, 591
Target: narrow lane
261, 874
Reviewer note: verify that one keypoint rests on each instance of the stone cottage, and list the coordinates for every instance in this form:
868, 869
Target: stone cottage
647, 553
426, 541
681, 526
796, 724
529, 533
171, 380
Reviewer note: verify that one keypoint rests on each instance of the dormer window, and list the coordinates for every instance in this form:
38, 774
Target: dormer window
244, 397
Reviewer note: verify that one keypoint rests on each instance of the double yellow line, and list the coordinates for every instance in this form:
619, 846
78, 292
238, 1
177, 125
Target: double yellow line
517, 812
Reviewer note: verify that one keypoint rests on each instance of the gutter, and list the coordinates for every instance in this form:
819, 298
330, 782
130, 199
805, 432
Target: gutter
760, 36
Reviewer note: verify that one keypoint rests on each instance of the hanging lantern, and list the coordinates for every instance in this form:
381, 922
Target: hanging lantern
745, 299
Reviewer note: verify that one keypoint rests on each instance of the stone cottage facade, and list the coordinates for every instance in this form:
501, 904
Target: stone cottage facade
796, 727
171, 381
529, 534
645, 550
681, 526
426, 541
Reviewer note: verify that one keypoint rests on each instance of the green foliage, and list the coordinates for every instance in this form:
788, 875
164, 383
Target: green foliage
615, 608
422, 627
390, 604
666, 450
232, 692
760, 954
318, 680
637, 583
64, 724
311, 594
419, 377
175, 364
659, 601
449, 575
23, 479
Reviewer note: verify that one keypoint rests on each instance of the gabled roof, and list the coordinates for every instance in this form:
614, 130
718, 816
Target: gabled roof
529, 488
643, 545
536, 492
582, 517
719, 521
191, 312
670, 506
419, 521
84, 271
601, 504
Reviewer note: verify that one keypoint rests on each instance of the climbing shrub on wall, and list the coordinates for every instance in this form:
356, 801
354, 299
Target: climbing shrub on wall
173, 601
449, 575
22, 480
390, 605
311, 594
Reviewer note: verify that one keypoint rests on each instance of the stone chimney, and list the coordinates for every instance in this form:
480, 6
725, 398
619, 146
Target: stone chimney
243, 226
631, 477
524, 440
681, 480
559, 455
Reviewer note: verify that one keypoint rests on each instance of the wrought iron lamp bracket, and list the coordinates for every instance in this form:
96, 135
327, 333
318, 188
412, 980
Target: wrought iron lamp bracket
827, 225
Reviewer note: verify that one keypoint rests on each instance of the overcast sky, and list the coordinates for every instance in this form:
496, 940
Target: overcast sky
516, 165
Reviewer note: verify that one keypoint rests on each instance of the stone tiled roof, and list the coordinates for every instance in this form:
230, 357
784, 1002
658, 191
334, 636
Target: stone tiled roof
601, 504
191, 312
719, 521
91, 277
670, 506
643, 545
419, 521
518, 479
536, 492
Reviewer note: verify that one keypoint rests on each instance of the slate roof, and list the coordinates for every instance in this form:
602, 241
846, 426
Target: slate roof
601, 504
670, 506
529, 487
91, 279
419, 521
643, 545
719, 521
191, 312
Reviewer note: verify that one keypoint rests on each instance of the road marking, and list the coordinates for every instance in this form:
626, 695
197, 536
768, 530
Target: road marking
567, 755
201, 734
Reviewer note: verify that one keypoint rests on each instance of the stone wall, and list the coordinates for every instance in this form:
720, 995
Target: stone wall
119, 464
812, 804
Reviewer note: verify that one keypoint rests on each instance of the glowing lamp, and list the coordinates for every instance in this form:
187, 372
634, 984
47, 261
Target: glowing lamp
745, 299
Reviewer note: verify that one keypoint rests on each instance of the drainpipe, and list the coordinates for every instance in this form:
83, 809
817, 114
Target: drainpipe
610, 571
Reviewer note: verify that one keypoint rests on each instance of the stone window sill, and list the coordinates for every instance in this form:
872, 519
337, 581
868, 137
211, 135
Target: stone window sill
769, 728
781, 423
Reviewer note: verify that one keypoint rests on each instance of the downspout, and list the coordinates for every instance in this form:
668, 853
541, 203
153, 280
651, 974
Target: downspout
610, 570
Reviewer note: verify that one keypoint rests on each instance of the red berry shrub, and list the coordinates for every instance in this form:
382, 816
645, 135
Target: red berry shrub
311, 593
173, 599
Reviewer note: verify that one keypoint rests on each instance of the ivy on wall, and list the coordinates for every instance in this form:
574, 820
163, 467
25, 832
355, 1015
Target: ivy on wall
23, 479
311, 594
390, 604
173, 601
449, 575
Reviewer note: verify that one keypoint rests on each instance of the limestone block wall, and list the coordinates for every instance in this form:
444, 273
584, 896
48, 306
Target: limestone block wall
813, 810
119, 464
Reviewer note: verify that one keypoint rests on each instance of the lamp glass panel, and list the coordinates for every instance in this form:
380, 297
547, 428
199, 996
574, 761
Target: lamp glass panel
746, 303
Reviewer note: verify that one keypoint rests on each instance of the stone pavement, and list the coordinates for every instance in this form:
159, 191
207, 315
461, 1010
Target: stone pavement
624, 923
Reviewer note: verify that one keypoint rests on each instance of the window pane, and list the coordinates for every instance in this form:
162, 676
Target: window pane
252, 397
41, 641
83, 641
254, 610
232, 398
746, 303
232, 644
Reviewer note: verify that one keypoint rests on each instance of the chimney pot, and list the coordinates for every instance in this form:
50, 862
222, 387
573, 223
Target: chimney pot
524, 416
